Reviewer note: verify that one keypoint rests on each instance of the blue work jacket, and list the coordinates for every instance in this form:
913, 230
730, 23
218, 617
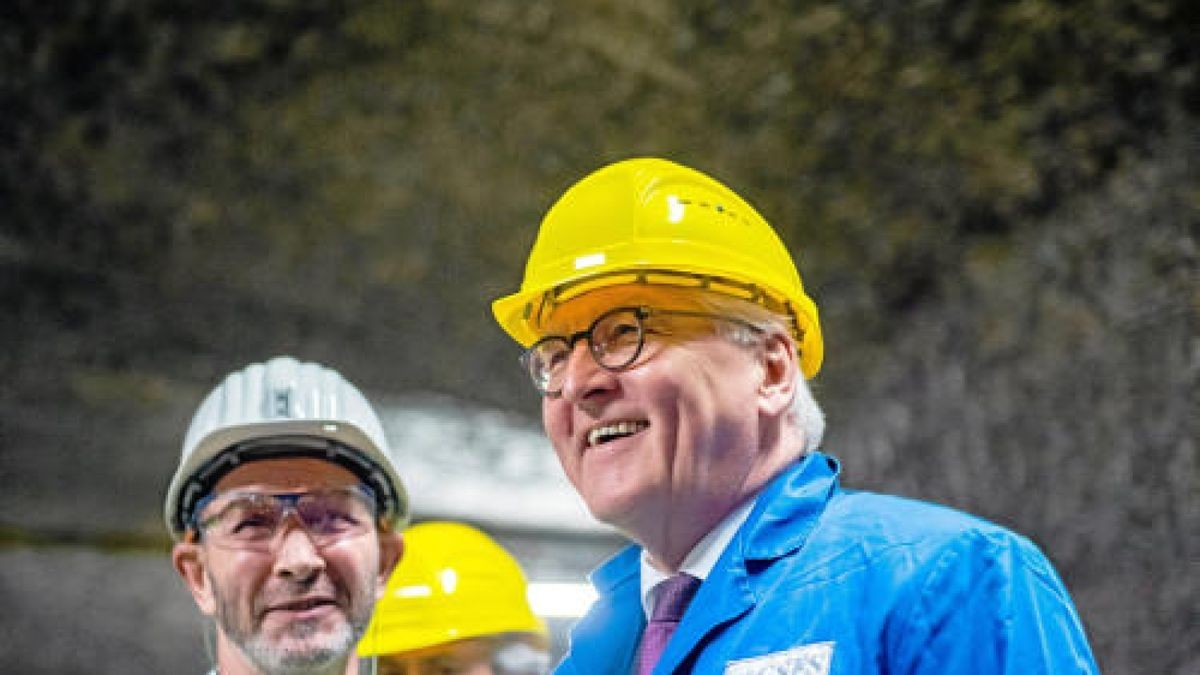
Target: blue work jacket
821, 580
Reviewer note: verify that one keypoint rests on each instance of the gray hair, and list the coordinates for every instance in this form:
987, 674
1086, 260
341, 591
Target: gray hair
804, 412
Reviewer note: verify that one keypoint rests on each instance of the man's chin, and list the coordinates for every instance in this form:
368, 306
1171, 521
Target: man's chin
618, 509
301, 646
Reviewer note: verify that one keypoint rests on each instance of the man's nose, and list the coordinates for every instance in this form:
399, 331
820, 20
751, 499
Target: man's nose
583, 378
297, 556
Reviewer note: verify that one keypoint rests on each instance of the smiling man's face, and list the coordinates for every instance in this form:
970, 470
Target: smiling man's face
294, 606
672, 439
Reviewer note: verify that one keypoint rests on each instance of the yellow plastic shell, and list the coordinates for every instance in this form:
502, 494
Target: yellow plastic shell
652, 221
453, 582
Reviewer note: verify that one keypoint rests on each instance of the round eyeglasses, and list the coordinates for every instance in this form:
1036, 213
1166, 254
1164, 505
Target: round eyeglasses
250, 520
615, 340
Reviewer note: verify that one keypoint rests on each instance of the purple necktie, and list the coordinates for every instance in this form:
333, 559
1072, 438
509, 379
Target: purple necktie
674, 594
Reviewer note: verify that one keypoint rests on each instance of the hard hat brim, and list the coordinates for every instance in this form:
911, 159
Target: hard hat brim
226, 439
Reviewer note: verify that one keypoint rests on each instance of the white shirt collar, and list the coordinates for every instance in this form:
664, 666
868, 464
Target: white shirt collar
700, 560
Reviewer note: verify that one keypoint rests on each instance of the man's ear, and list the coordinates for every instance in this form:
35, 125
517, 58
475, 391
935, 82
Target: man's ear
781, 367
391, 549
188, 559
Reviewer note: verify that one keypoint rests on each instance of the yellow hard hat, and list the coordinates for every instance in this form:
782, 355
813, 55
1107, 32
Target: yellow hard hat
453, 582
652, 221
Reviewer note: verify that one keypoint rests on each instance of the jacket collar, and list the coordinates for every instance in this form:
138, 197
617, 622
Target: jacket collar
608, 634
784, 515
789, 507
619, 570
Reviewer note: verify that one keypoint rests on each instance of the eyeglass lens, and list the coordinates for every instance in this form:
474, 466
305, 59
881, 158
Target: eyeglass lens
251, 520
614, 339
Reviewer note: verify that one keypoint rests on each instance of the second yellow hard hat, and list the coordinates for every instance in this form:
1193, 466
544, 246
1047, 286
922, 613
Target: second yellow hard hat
452, 583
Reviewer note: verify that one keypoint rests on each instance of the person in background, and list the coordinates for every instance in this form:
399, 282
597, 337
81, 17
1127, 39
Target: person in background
666, 327
285, 510
456, 605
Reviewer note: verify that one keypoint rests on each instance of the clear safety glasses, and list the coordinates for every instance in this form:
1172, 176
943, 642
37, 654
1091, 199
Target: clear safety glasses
250, 520
615, 340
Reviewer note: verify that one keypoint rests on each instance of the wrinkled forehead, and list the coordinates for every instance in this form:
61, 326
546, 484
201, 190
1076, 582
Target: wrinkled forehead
287, 474
579, 312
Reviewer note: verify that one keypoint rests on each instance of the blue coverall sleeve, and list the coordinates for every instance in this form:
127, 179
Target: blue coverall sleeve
991, 603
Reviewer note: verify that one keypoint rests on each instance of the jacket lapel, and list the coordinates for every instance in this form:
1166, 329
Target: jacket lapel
606, 640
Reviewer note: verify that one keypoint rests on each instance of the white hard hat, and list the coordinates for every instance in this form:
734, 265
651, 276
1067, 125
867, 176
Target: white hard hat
283, 408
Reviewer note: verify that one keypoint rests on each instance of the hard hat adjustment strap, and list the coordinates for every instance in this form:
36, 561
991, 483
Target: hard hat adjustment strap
549, 300
205, 478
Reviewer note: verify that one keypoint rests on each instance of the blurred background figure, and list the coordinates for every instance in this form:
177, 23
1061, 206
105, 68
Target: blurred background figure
455, 605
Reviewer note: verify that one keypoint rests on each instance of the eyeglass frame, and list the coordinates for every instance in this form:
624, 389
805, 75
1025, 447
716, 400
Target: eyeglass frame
640, 314
198, 526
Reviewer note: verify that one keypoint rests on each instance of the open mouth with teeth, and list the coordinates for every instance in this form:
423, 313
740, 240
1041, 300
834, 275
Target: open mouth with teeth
611, 432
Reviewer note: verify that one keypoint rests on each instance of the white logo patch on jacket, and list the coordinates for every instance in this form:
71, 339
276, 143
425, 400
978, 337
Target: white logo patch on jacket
814, 659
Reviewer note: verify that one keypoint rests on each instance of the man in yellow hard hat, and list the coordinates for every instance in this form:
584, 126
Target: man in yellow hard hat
285, 509
668, 331
456, 605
